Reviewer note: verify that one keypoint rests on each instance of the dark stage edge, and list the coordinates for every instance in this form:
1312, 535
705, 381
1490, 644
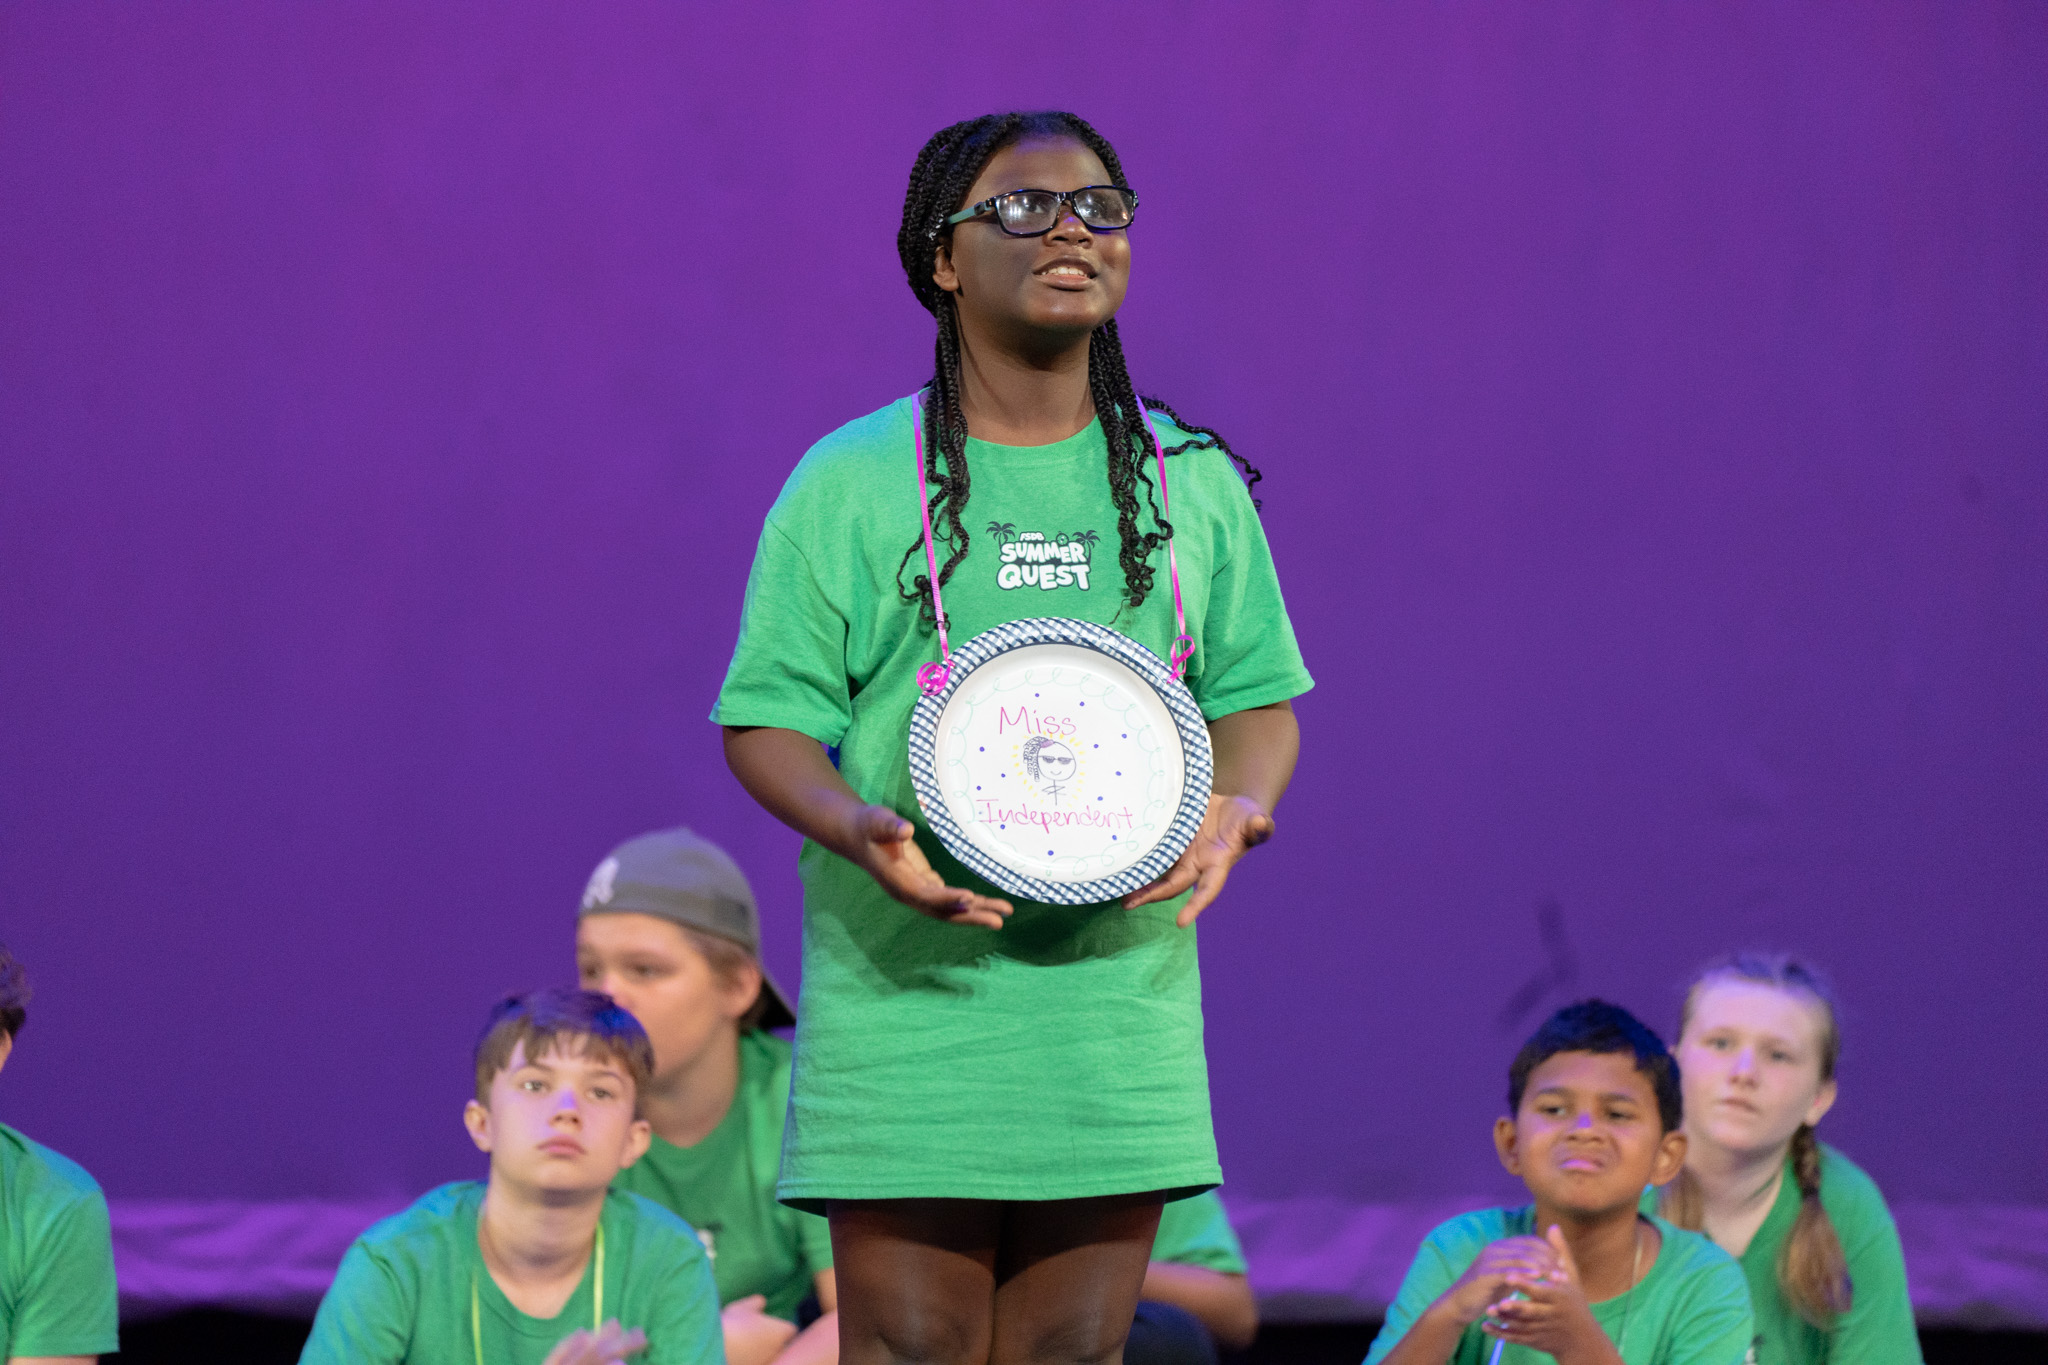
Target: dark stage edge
220, 1337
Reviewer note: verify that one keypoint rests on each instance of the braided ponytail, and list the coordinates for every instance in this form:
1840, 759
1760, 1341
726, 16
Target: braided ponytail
1813, 1271
945, 169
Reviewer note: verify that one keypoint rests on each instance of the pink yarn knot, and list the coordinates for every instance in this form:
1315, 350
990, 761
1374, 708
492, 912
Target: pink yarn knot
931, 678
1183, 650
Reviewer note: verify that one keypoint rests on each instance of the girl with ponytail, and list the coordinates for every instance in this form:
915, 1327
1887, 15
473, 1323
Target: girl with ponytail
1758, 1040
992, 1097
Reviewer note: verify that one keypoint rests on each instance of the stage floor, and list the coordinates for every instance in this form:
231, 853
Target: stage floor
218, 1337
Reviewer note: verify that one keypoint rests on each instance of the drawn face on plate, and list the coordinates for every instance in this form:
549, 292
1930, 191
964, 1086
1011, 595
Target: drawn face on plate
1050, 763
1056, 761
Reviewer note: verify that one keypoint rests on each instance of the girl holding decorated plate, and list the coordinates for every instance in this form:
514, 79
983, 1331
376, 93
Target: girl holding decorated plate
999, 1074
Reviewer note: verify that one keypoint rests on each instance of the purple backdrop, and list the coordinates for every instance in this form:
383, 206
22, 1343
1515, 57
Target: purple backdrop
1653, 408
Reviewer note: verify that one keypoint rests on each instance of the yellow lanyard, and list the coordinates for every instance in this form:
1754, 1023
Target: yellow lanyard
476, 1313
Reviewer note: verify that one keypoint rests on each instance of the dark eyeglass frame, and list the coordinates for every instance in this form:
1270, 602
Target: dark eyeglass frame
990, 208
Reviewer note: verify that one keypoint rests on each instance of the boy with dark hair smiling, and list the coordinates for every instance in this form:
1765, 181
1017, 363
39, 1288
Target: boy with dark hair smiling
1579, 1276
542, 1264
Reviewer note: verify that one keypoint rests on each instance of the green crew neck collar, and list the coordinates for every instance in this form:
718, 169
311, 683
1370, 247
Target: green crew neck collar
1073, 447
493, 1300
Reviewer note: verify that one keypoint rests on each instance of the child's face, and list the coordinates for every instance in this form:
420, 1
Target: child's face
1588, 1137
657, 975
559, 1123
1028, 289
1750, 1062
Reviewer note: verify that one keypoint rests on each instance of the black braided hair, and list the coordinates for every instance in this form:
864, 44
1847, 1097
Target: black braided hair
939, 180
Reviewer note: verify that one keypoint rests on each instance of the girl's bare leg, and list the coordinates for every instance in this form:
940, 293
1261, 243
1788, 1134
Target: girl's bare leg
977, 1282
1068, 1279
917, 1279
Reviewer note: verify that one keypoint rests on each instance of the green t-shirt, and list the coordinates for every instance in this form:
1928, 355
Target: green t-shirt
56, 1255
1060, 1056
1690, 1308
1197, 1232
724, 1187
403, 1294
1878, 1328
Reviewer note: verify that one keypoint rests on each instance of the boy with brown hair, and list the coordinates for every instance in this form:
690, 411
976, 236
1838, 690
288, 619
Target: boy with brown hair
542, 1264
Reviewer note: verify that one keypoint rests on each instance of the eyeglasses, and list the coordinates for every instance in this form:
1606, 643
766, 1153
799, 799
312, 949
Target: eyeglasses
1033, 213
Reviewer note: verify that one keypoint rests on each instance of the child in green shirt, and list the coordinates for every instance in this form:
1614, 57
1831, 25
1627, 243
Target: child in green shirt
993, 1097
57, 1298
1757, 1043
668, 928
1579, 1276
541, 1264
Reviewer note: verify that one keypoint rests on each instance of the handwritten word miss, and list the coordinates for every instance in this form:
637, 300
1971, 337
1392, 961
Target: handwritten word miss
1033, 722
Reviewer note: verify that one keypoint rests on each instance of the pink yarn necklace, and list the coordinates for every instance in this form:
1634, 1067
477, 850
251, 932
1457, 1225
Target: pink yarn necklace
932, 678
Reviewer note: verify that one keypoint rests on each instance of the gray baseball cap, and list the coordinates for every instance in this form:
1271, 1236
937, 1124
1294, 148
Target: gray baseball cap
681, 877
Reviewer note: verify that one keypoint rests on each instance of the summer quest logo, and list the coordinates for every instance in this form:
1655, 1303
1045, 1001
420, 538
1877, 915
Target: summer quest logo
1033, 560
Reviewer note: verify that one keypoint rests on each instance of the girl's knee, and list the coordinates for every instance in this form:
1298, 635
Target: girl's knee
1091, 1339
919, 1334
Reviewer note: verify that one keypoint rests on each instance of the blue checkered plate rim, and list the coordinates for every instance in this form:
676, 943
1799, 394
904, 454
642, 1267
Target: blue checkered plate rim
1197, 764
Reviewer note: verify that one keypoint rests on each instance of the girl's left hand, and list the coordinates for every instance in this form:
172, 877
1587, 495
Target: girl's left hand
1233, 825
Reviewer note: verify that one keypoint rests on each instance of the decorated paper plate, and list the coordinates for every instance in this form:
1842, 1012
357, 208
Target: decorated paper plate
1061, 761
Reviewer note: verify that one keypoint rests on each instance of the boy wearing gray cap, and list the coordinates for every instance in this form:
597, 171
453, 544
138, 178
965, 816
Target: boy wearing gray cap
668, 928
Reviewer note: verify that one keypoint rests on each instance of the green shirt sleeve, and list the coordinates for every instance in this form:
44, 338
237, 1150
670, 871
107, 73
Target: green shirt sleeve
1197, 1232
1878, 1329
1712, 1324
366, 1317
67, 1302
1436, 1267
789, 668
684, 1329
1245, 654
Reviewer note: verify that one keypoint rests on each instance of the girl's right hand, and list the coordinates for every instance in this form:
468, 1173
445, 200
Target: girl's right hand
879, 842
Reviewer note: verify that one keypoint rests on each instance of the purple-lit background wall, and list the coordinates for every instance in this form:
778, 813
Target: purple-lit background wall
1654, 408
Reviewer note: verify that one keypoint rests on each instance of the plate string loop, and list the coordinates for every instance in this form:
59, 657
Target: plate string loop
931, 678
1183, 643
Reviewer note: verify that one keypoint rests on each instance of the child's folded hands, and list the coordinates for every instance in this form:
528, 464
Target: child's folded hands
1495, 1273
1547, 1309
